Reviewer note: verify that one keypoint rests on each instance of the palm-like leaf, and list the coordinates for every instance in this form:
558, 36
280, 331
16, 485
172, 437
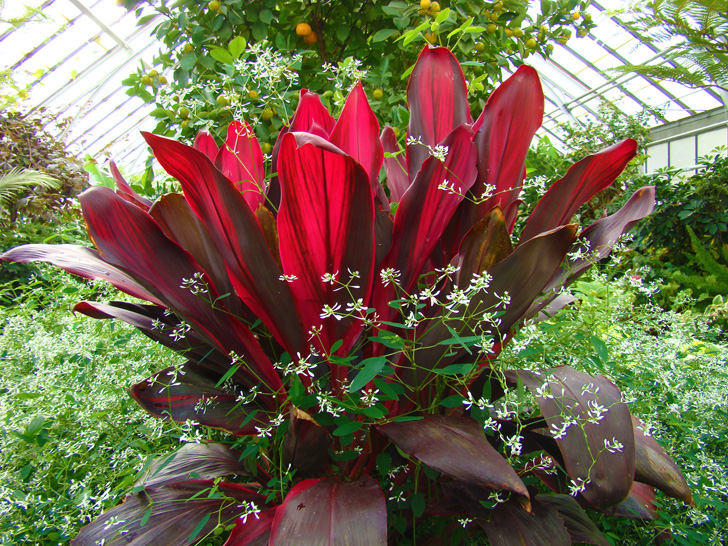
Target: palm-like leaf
18, 180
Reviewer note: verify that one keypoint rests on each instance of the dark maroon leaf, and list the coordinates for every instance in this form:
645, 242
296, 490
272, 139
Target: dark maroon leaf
396, 167
424, 212
640, 504
510, 524
438, 102
582, 182
326, 513
356, 133
270, 231
188, 392
486, 244
577, 522
325, 226
238, 236
193, 462
504, 132
457, 447
594, 404
655, 467
241, 160
306, 445
124, 189
168, 516
84, 262
205, 143
252, 530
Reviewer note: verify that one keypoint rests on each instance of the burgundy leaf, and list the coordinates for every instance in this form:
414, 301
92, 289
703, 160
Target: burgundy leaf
438, 102
311, 116
188, 392
179, 223
593, 404
424, 212
396, 167
193, 462
238, 236
655, 467
325, 226
270, 231
306, 445
84, 262
129, 238
577, 522
510, 524
457, 447
486, 244
582, 182
168, 515
252, 530
505, 129
241, 160
326, 513
640, 504
205, 143
124, 189
356, 133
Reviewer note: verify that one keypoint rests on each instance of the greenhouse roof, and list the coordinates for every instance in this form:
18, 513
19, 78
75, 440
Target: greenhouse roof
75, 54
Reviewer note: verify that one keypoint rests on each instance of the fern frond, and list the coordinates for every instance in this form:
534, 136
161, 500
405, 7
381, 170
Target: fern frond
18, 180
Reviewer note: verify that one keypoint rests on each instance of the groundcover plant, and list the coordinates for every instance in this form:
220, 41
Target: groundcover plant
346, 331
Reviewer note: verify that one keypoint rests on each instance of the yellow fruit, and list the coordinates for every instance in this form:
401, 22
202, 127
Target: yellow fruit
493, 17
252, 94
310, 39
431, 37
303, 29
266, 148
120, 2
213, 5
146, 80
397, 132
222, 100
378, 94
531, 43
421, 11
563, 41
544, 28
328, 94
425, 4
267, 114
576, 15
498, 6
153, 73
491, 28
509, 32
184, 113
162, 80
582, 33
550, 47
567, 34
480, 46
184, 124
517, 32
435, 7
188, 48
587, 17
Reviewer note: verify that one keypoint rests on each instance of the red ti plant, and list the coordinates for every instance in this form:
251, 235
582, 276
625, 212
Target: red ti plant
346, 335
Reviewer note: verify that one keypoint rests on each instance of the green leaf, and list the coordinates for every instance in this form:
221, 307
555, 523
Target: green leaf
384, 34
452, 401
601, 348
236, 47
221, 55
196, 530
390, 340
145, 517
418, 504
188, 60
342, 33
454, 369
260, 31
371, 367
348, 428
35, 424
266, 16
443, 15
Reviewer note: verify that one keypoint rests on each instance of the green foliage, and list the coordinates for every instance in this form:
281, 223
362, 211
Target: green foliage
212, 71
700, 56
17, 181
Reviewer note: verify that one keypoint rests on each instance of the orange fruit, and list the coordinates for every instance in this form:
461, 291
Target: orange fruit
310, 39
303, 29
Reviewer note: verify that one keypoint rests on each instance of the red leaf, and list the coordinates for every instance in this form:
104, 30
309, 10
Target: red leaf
577, 522
189, 393
640, 504
124, 189
487, 243
655, 467
396, 167
510, 524
583, 181
252, 530
241, 160
424, 212
173, 515
311, 116
239, 238
438, 102
457, 447
505, 129
357, 133
607, 475
84, 262
306, 445
325, 513
325, 225
205, 143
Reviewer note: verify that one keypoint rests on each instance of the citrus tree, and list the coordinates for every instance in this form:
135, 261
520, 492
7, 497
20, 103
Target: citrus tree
214, 66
